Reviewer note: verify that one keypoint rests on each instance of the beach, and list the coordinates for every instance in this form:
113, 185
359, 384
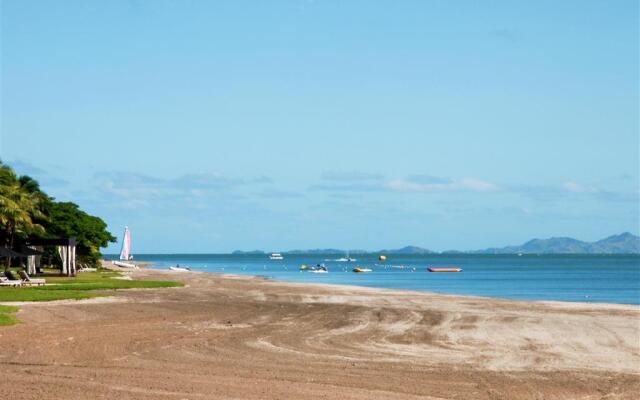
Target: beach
238, 337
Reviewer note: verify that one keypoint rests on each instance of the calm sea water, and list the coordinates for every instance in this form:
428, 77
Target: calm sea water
583, 278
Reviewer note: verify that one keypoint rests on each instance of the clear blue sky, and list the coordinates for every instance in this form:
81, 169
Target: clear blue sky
212, 126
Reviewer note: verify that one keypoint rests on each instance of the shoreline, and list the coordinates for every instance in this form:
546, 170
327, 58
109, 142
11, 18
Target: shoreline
224, 336
150, 266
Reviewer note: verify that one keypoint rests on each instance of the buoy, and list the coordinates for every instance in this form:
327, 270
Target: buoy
382, 258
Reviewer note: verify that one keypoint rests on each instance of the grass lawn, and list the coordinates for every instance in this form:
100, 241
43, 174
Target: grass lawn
85, 285
110, 284
6, 315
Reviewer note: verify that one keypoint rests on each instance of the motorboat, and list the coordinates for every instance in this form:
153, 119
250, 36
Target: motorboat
346, 259
179, 268
360, 269
431, 269
276, 256
318, 269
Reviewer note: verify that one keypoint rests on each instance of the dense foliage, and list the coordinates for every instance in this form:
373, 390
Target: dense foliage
26, 211
67, 220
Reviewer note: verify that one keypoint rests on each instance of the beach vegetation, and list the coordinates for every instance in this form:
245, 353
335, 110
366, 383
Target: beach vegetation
20, 206
27, 211
66, 219
85, 285
7, 316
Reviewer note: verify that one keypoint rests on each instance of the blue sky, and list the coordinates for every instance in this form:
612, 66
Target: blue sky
214, 126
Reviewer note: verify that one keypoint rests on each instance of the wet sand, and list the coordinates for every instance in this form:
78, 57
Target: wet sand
226, 337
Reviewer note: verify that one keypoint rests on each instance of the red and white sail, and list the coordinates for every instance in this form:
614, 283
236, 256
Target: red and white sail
125, 253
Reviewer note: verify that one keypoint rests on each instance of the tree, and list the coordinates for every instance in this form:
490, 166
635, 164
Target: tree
19, 207
27, 211
65, 219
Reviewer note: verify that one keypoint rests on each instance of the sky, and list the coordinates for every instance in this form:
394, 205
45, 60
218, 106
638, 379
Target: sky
214, 126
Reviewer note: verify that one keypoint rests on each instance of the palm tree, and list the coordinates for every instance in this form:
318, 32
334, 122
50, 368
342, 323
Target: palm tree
19, 206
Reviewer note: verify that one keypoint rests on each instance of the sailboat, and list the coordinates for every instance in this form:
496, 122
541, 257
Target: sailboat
125, 251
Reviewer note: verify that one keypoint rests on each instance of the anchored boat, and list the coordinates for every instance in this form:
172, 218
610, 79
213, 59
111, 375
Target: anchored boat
431, 269
179, 268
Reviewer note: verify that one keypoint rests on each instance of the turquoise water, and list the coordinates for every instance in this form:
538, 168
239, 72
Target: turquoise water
583, 278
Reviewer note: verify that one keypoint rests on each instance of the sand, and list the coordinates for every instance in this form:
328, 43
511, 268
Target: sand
226, 337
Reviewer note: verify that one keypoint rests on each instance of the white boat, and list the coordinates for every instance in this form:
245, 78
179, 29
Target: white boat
124, 264
346, 259
275, 256
125, 251
319, 271
179, 268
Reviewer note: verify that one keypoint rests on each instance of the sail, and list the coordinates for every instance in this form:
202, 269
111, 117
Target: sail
126, 245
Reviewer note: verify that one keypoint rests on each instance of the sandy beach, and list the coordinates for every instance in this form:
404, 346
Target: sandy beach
229, 337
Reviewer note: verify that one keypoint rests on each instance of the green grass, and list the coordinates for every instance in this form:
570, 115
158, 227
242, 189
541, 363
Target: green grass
110, 284
35, 294
82, 286
6, 315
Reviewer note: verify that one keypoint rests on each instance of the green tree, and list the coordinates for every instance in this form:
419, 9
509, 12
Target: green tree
27, 211
65, 219
20, 206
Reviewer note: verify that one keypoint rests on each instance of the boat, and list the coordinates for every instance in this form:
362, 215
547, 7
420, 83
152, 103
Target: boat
318, 269
275, 256
360, 269
431, 269
346, 259
125, 251
124, 264
179, 268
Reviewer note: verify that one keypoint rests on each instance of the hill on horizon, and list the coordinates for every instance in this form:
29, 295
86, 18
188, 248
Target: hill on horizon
623, 243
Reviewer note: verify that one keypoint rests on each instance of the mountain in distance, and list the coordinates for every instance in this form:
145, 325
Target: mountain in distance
250, 252
325, 251
404, 250
624, 243
407, 250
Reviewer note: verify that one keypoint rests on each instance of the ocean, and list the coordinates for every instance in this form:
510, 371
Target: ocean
577, 278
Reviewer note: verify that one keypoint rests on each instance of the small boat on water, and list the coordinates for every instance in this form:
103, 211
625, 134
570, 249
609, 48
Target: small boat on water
348, 258
431, 269
318, 269
124, 264
179, 268
125, 251
276, 256
360, 269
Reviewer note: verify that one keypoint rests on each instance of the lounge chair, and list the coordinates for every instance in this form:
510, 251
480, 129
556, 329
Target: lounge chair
9, 279
31, 281
4, 281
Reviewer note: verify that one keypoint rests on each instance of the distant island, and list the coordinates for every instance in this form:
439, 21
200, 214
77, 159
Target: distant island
624, 243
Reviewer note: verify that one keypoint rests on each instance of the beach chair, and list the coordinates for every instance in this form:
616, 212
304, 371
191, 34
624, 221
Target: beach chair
31, 281
9, 280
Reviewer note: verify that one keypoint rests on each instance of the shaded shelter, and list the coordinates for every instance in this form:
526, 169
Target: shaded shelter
66, 249
5, 252
33, 258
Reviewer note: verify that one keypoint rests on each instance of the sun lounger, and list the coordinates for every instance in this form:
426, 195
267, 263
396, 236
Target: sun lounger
10, 276
31, 281
6, 282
